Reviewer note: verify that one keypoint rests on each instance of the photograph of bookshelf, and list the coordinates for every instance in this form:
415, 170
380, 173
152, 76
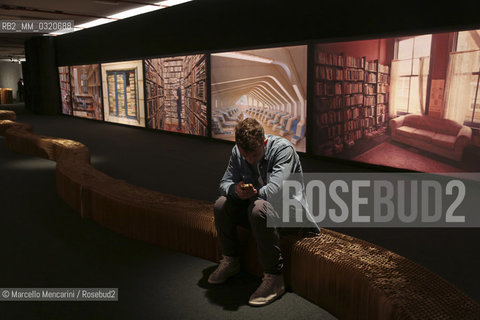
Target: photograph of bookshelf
266, 84
350, 101
86, 91
154, 93
64, 79
176, 94
123, 92
408, 102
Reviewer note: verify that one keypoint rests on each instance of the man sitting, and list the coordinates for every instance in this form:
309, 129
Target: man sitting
244, 191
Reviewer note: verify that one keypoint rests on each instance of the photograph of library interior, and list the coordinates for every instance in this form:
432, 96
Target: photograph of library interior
176, 98
120, 169
266, 84
123, 92
408, 102
87, 92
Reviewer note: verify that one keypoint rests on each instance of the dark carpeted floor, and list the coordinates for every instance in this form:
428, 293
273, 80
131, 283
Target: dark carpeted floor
47, 244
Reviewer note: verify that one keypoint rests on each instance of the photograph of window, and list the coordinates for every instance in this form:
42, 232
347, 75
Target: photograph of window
123, 92
266, 84
407, 102
86, 91
413, 60
176, 94
64, 78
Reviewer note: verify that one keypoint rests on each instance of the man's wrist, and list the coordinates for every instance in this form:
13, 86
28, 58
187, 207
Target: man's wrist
232, 190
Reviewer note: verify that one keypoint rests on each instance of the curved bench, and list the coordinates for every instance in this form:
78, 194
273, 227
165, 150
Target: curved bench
7, 115
169, 221
9, 124
349, 277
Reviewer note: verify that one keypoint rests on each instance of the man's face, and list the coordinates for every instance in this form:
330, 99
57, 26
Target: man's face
254, 156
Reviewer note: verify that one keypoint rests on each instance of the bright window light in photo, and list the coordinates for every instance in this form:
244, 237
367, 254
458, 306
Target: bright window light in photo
413, 68
468, 41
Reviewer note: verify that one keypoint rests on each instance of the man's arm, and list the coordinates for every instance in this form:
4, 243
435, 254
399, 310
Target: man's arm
283, 164
231, 176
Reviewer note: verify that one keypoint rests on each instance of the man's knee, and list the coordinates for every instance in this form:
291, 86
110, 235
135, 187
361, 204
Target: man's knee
219, 205
260, 210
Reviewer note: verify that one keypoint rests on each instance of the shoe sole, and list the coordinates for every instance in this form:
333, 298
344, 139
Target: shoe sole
264, 303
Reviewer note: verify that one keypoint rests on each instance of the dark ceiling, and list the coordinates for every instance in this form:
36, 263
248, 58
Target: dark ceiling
80, 11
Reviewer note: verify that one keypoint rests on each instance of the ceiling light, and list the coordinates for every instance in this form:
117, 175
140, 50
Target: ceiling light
134, 12
121, 15
93, 23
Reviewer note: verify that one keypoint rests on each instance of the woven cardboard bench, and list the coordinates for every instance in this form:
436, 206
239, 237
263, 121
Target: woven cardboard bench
350, 278
19, 139
9, 124
169, 221
7, 115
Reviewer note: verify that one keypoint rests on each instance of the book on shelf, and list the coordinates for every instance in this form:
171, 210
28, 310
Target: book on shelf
370, 88
371, 77
370, 101
328, 88
382, 87
383, 68
354, 99
352, 87
366, 112
381, 98
354, 74
328, 73
371, 66
355, 62
329, 58
383, 78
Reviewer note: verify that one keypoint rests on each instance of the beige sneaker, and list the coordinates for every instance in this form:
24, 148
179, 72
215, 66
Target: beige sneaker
229, 266
272, 287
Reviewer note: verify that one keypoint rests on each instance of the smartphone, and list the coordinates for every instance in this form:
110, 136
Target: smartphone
246, 186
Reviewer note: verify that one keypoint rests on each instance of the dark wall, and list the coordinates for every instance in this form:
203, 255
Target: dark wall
40, 76
214, 25
209, 25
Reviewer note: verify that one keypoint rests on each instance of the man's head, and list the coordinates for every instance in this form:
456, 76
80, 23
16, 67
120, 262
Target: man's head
250, 140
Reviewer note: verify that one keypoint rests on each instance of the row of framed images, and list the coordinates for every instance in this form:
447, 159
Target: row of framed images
170, 93
353, 94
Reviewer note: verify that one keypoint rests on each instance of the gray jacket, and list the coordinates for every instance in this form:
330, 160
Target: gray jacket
279, 161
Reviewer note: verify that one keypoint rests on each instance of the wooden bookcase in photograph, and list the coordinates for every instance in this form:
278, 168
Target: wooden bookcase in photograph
350, 101
195, 94
64, 78
155, 93
88, 99
376, 90
383, 89
173, 74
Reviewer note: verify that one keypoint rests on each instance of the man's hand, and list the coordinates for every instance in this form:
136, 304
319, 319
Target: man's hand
244, 193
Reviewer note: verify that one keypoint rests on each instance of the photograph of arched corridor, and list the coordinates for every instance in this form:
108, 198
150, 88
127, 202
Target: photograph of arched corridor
269, 85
